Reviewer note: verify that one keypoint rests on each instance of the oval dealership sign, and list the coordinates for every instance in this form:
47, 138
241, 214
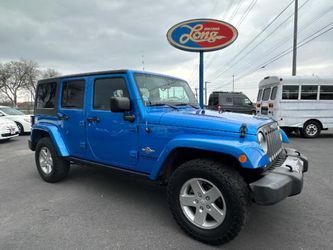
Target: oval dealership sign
202, 35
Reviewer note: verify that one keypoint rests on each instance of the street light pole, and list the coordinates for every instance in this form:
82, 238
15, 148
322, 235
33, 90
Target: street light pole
295, 39
206, 100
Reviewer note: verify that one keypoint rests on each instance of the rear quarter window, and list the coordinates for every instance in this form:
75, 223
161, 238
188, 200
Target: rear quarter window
46, 95
213, 100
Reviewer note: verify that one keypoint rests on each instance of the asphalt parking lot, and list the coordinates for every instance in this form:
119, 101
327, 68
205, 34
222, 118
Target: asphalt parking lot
99, 209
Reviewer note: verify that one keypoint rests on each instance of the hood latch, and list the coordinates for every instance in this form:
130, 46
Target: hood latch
243, 130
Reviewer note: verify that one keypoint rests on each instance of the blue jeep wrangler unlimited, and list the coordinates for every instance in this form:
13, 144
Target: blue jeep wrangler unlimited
214, 164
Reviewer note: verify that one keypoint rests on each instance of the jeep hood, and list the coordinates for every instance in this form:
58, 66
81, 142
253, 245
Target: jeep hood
213, 120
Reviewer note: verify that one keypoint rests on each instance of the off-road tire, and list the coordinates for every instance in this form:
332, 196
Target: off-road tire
60, 166
304, 130
233, 188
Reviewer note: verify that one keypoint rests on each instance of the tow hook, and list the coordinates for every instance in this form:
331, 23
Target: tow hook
290, 168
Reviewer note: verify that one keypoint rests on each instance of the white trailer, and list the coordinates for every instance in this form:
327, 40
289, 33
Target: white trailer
297, 103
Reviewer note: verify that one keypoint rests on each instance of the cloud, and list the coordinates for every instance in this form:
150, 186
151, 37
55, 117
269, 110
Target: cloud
78, 36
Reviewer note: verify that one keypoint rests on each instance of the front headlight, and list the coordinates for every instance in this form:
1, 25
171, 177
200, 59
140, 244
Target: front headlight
262, 141
27, 120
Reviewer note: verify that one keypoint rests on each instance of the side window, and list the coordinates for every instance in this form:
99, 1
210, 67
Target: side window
266, 94
326, 92
259, 95
238, 101
106, 88
213, 100
73, 94
46, 95
290, 92
227, 100
273, 94
309, 92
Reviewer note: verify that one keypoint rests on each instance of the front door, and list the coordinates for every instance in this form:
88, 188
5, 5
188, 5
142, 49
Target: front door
111, 139
72, 116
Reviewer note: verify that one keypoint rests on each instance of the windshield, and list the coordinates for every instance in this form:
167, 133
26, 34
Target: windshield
159, 90
11, 111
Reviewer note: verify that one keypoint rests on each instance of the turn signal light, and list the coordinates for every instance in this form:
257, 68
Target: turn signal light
242, 158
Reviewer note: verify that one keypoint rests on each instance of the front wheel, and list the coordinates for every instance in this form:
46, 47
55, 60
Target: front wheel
50, 166
208, 200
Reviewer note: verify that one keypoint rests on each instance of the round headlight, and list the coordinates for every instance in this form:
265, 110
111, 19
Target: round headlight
262, 141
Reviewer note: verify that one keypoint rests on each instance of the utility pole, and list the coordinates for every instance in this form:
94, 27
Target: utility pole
295, 39
233, 83
206, 100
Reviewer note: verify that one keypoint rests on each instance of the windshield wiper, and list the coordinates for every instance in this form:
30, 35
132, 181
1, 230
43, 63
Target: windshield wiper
162, 104
188, 104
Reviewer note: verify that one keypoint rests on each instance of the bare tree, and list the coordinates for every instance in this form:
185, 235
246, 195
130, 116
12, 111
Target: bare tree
18, 76
49, 73
12, 77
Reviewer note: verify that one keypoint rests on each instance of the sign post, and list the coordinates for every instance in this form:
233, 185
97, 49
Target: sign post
201, 79
200, 35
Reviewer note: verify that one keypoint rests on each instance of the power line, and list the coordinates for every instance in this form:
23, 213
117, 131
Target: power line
305, 41
254, 38
260, 42
248, 10
236, 10
243, 17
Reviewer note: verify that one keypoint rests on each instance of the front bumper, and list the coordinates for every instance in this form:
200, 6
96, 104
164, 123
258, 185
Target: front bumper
281, 180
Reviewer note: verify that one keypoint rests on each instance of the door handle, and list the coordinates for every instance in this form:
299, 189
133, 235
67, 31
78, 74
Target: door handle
93, 119
62, 116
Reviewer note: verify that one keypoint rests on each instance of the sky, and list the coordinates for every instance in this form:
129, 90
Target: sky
83, 36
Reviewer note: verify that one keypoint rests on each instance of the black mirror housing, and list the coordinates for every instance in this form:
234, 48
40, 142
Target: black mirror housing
120, 104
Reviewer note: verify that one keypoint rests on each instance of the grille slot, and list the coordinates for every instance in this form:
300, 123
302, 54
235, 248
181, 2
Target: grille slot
274, 142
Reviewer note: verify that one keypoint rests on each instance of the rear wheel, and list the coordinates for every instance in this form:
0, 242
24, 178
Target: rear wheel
50, 166
311, 129
208, 200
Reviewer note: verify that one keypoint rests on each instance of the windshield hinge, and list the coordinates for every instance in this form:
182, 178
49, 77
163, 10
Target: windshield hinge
243, 130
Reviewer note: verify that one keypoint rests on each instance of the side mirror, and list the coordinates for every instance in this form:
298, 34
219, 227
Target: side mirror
120, 104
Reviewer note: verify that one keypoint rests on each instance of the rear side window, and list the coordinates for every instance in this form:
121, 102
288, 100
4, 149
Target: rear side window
73, 94
46, 95
290, 92
326, 92
266, 94
106, 88
213, 100
309, 92
259, 95
273, 94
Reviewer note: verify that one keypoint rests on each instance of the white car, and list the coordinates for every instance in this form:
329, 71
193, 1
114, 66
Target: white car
22, 121
8, 129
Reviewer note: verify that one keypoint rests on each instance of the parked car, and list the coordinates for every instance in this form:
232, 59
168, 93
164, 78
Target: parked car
214, 164
8, 129
231, 102
297, 103
22, 121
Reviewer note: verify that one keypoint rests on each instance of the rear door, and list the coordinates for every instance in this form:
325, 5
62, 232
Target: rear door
72, 115
111, 139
